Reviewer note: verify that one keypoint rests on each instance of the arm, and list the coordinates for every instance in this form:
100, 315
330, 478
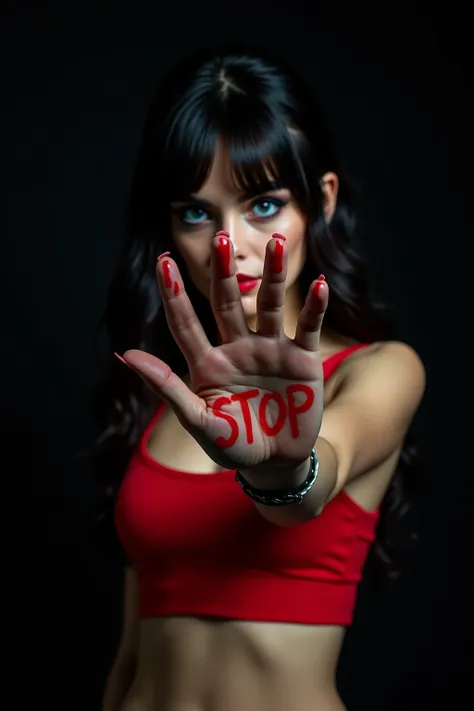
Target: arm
123, 669
361, 428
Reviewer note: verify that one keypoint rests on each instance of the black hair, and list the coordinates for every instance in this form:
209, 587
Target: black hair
269, 120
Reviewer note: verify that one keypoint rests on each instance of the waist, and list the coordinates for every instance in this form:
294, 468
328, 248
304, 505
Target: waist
196, 664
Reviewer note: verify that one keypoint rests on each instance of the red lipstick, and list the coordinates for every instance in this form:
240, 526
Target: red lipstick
247, 283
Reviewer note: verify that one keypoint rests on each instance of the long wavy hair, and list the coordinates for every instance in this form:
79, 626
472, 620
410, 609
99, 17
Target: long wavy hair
268, 118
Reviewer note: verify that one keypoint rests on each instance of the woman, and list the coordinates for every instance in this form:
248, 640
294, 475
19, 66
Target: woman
255, 459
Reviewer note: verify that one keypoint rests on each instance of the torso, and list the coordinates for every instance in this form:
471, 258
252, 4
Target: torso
189, 664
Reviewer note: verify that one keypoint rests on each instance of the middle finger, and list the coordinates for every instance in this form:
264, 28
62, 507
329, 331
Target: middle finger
271, 295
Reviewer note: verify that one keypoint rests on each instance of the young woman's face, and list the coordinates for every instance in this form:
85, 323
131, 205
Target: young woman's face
250, 222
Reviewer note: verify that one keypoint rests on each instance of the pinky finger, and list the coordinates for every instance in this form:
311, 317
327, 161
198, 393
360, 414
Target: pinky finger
310, 321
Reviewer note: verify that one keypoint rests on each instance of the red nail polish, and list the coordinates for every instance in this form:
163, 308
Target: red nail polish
165, 254
122, 360
316, 288
167, 274
277, 235
321, 277
176, 288
223, 260
277, 261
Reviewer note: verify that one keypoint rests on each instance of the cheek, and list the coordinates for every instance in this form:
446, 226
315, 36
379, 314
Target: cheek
190, 247
196, 260
192, 253
297, 248
296, 260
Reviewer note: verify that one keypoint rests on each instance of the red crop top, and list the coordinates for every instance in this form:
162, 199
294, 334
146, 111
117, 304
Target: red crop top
200, 547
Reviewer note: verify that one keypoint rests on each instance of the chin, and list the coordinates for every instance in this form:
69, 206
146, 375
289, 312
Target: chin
250, 313
249, 303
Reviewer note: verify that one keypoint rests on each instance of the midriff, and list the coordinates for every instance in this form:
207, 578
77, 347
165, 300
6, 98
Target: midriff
194, 664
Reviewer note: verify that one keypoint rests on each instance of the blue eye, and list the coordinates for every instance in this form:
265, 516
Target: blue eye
194, 215
267, 207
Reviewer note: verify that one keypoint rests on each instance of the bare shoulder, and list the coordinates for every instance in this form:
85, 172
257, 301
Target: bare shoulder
366, 422
392, 368
394, 355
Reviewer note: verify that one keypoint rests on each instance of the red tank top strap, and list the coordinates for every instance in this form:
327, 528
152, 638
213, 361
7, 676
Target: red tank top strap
331, 364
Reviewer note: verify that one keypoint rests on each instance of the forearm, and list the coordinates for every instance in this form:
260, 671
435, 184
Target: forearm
315, 499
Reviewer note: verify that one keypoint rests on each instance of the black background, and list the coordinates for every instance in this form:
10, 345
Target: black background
395, 83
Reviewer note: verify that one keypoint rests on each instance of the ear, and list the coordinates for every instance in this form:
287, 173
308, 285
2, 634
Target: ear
329, 188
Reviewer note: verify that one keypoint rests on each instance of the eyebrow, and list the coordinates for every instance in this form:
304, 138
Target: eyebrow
243, 197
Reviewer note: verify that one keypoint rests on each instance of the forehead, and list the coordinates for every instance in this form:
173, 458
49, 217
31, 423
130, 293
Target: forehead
222, 179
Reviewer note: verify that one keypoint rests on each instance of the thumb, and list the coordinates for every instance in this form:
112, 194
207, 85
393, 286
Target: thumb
159, 377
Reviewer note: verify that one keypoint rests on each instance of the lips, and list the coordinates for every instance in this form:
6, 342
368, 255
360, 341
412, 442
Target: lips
247, 283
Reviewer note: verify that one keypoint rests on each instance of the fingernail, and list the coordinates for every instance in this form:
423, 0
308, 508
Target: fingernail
317, 288
122, 360
147, 382
165, 254
277, 261
277, 235
223, 257
169, 283
167, 274
321, 277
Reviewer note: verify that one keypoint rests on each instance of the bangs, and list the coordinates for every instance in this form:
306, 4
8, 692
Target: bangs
262, 149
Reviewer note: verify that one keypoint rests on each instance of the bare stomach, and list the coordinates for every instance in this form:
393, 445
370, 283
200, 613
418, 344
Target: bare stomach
189, 664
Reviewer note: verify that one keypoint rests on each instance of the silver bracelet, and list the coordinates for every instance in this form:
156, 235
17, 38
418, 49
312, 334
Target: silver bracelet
282, 497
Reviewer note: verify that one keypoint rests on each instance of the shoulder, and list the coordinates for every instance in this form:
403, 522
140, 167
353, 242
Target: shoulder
395, 353
389, 369
393, 356
367, 420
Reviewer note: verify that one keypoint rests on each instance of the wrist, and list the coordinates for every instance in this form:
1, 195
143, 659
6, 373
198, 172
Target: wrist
278, 478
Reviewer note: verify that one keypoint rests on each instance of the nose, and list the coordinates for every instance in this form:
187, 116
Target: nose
238, 231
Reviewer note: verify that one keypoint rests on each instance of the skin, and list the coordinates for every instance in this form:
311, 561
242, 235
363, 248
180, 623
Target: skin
249, 234
198, 664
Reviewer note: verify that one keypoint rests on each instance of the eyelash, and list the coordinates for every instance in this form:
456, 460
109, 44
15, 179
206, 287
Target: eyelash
277, 202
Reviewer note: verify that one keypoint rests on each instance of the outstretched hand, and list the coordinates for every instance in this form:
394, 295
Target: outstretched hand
257, 399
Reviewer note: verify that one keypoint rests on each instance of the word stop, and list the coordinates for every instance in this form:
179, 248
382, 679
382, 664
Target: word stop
287, 411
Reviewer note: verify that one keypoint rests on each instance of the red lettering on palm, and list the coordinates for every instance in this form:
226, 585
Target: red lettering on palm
285, 411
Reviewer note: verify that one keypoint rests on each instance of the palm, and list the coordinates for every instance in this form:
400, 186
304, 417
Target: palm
258, 397
272, 394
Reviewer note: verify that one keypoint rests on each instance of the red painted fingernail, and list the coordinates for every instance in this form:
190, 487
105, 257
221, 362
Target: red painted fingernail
165, 254
167, 274
122, 359
222, 233
277, 261
321, 277
317, 287
223, 261
277, 235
